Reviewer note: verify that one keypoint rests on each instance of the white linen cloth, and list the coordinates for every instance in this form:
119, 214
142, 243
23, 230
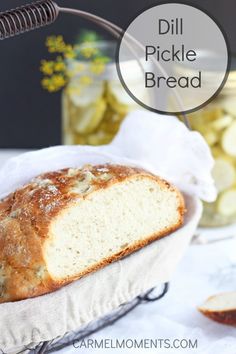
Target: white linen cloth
28, 322
170, 149
160, 144
205, 270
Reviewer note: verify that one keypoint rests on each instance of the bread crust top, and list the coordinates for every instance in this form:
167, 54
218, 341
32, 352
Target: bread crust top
25, 216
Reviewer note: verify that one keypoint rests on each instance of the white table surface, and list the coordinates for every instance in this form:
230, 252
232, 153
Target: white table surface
205, 270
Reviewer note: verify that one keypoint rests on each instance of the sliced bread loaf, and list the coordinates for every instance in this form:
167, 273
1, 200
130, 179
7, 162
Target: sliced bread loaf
66, 224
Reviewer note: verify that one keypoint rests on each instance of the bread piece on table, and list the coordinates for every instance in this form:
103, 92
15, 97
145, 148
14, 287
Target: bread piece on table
66, 224
221, 308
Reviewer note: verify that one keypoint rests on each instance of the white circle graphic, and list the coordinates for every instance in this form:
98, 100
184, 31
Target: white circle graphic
179, 56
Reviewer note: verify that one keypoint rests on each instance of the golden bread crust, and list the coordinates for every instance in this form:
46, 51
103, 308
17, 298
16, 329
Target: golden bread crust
26, 214
224, 317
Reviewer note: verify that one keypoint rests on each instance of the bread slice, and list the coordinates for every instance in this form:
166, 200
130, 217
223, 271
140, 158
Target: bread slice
221, 308
66, 224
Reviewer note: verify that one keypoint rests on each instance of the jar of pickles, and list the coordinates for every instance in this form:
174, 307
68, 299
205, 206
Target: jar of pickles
94, 102
217, 123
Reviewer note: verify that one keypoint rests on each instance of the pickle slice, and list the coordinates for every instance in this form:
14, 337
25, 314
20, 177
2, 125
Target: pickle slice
82, 96
224, 174
211, 137
229, 105
200, 119
217, 151
89, 118
100, 138
118, 98
79, 139
222, 122
119, 93
111, 122
116, 105
228, 140
227, 202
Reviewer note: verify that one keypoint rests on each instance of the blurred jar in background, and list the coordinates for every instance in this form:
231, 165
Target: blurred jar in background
217, 123
94, 102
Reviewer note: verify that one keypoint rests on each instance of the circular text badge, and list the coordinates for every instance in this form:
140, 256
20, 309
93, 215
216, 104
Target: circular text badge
181, 56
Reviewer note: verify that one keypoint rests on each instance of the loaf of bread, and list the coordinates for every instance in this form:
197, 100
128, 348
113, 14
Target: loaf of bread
66, 224
221, 308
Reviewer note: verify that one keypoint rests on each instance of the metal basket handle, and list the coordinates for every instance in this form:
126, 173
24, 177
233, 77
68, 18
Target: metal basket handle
44, 12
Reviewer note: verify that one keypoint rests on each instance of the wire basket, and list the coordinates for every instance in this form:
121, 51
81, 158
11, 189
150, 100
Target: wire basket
33, 16
93, 327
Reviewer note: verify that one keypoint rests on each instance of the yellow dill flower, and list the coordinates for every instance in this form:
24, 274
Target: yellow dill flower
47, 84
50, 41
59, 81
69, 52
98, 65
54, 83
55, 44
59, 71
73, 90
59, 66
88, 52
97, 68
70, 55
86, 80
47, 67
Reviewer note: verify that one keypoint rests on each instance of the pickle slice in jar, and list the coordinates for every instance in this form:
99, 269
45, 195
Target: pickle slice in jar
227, 202
224, 174
228, 140
82, 96
211, 137
120, 100
116, 89
87, 106
111, 122
222, 122
115, 103
202, 121
229, 105
90, 117
100, 138
79, 139
217, 151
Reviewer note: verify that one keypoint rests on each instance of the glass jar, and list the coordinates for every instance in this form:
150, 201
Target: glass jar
94, 104
217, 123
